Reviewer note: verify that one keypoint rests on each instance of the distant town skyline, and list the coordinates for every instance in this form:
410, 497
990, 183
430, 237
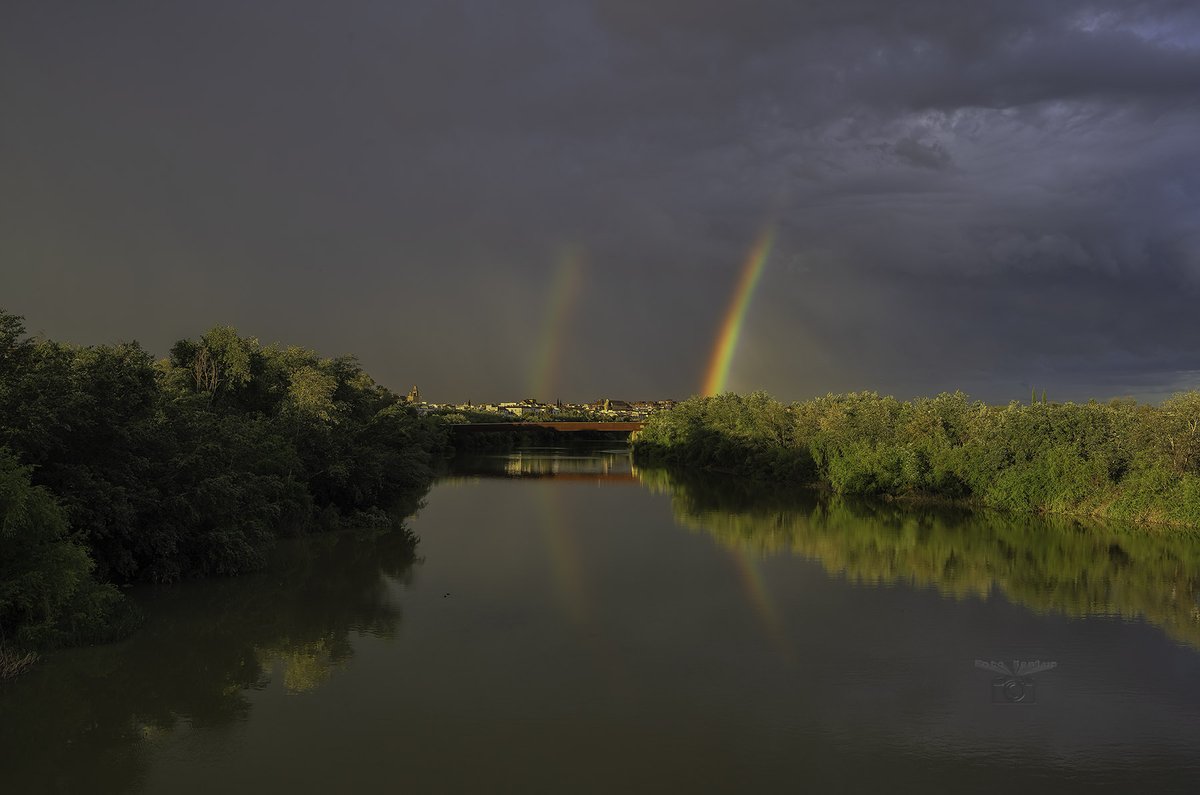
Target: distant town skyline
570, 198
530, 405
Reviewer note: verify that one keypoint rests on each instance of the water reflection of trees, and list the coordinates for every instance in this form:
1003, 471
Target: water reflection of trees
579, 461
1047, 564
81, 721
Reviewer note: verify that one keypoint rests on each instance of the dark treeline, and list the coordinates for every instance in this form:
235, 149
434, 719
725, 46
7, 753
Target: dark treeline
117, 468
1120, 460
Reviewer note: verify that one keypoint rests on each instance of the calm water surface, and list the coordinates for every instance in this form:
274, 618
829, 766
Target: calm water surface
568, 623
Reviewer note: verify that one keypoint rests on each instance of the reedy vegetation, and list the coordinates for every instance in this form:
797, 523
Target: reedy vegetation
1120, 460
116, 468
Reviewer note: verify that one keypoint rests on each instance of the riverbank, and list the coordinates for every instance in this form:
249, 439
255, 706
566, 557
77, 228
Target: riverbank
1118, 461
117, 468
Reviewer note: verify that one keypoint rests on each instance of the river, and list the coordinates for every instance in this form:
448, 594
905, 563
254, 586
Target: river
570, 623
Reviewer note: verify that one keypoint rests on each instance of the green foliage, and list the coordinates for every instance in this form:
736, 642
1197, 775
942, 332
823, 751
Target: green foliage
193, 465
47, 594
1122, 460
752, 434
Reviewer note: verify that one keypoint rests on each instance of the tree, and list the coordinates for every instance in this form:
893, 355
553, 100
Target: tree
219, 363
46, 590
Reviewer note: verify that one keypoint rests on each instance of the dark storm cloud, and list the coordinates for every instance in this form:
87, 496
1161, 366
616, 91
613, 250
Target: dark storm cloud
978, 195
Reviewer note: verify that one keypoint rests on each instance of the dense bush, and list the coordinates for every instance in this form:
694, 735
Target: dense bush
753, 434
47, 594
1121, 459
188, 466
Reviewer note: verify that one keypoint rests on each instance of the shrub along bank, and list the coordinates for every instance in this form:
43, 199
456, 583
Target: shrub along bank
1119, 460
116, 468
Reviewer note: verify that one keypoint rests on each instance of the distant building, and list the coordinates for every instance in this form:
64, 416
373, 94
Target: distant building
414, 395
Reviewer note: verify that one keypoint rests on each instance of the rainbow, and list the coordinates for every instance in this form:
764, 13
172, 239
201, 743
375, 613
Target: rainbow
563, 294
731, 329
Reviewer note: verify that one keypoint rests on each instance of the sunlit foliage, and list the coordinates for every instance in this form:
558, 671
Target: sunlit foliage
1121, 460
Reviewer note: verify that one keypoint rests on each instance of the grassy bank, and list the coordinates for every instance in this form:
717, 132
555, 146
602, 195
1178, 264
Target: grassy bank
1121, 460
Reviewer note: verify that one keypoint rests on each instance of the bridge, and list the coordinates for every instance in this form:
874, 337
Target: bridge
622, 428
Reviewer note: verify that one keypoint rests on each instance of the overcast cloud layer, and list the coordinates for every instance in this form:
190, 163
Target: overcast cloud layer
985, 195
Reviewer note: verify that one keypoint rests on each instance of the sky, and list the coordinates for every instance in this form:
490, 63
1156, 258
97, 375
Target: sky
562, 199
